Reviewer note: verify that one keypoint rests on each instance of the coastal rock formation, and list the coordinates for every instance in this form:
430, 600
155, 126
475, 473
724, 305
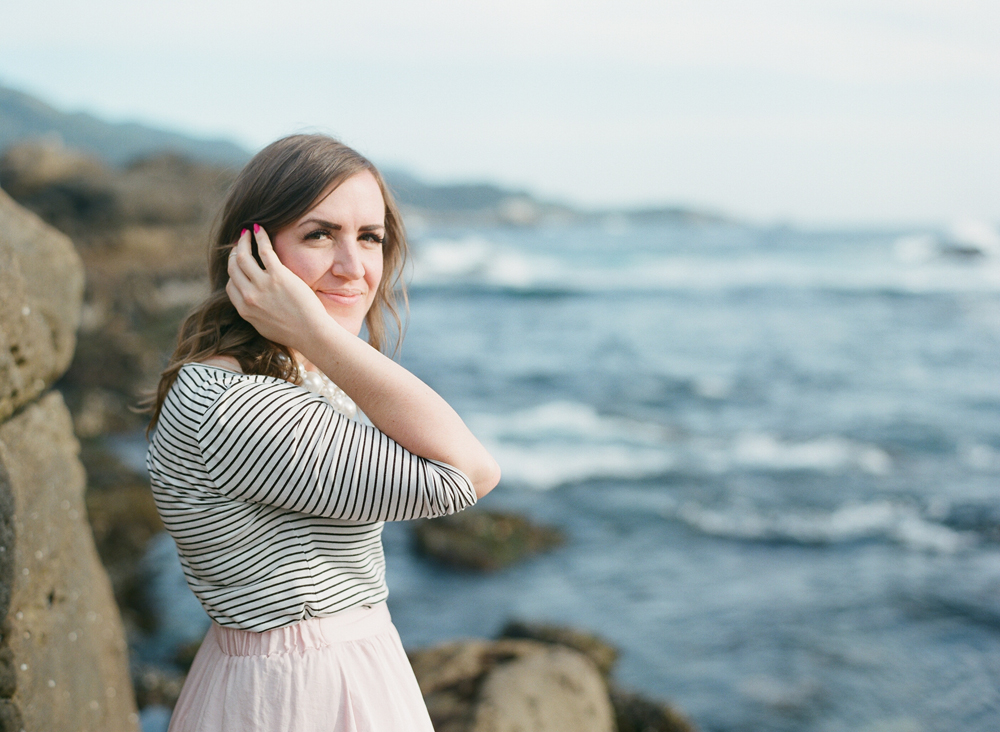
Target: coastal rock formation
37, 319
636, 713
550, 685
63, 659
602, 653
483, 540
553, 690
141, 232
468, 684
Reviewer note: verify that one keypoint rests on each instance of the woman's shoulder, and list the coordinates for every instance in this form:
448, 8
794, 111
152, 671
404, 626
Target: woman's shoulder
204, 382
223, 363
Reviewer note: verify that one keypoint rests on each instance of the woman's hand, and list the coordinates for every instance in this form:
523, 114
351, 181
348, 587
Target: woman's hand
275, 301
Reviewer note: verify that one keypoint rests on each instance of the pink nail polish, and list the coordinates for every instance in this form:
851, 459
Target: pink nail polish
256, 228
243, 232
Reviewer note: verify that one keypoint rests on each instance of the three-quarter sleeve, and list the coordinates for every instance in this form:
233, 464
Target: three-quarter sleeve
277, 444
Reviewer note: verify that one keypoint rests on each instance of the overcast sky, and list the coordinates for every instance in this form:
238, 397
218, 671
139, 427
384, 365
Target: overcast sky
816, 112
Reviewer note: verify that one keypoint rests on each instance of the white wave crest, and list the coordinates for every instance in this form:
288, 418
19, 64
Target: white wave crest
902, 524
825, 454
543, 467
915, 263
478, 261
975, 235
565, 442
569, 420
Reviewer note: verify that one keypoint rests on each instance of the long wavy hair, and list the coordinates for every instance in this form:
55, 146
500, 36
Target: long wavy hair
280, 184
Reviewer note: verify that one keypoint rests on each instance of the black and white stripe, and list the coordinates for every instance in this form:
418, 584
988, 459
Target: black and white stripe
276, 500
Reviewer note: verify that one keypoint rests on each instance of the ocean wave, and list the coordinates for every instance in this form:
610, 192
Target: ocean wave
766, 452
570, 420
477, 261
966, 239
825, 454
913, 265
543, 467
896, 522
564, 442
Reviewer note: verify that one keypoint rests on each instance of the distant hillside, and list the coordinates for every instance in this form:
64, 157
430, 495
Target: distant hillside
23, 116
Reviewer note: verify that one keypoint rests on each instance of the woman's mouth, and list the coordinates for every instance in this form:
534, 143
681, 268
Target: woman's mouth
341, 297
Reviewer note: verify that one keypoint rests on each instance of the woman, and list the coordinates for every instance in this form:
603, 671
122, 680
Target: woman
274, 495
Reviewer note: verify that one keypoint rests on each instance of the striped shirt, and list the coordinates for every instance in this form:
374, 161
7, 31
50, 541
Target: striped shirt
276, 500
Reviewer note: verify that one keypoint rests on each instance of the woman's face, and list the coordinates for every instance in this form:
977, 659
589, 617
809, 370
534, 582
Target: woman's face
336, 248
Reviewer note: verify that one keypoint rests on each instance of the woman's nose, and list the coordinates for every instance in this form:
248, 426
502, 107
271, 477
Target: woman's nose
347, 261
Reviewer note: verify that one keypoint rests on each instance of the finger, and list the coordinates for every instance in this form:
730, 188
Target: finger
243, 259
235, 297
238, 277
264, 247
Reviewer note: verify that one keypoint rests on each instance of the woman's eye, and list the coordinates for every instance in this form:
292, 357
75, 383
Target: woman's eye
373, 238
318, 234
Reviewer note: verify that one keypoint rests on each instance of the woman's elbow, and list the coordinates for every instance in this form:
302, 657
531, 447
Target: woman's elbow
486, 478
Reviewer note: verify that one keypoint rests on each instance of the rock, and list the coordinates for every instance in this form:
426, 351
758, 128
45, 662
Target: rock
124, 518
157, 686
602, 653
7, 543
63, 660
483, 540
462, 664
62, 617
556, 690
450, 676
63, 187
37, 320
142, 232
457, 680
636, 713
10, 717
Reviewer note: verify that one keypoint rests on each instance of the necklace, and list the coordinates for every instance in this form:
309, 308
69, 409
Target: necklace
320, 383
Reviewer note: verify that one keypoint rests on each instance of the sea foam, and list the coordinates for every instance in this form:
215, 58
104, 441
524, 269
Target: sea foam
912, 264
564, 442
850, 522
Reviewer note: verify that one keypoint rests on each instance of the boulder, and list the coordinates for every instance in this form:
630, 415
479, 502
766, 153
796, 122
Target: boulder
62, 631
556, 679
142, 232
554, 690
636, 713
124, 518
602, 653
61, 186
63, 659
41, 278
451, 674
483, 540
510, 684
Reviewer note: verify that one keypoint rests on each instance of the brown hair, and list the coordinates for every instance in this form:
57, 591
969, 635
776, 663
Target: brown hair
280, 184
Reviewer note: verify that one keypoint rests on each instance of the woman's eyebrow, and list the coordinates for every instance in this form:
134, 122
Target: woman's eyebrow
337, 227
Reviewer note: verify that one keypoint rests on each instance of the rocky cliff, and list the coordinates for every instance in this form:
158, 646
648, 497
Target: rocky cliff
63, 658
141, 233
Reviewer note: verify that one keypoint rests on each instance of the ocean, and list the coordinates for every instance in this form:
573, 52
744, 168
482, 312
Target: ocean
775, 453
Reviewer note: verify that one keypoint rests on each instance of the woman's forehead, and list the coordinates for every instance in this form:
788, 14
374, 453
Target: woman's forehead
358, 198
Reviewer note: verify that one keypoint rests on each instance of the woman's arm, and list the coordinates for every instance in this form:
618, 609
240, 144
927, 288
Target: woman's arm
272, 443
284, 309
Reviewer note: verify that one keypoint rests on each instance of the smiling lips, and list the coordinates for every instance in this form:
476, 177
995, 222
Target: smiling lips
341, 297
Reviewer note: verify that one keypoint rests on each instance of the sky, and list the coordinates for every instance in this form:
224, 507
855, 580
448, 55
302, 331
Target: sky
816, 112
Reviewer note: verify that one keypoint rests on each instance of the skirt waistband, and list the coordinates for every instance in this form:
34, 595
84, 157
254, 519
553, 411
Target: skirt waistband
351, 624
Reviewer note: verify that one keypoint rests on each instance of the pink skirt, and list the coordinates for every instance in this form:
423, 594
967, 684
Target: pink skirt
345, 673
